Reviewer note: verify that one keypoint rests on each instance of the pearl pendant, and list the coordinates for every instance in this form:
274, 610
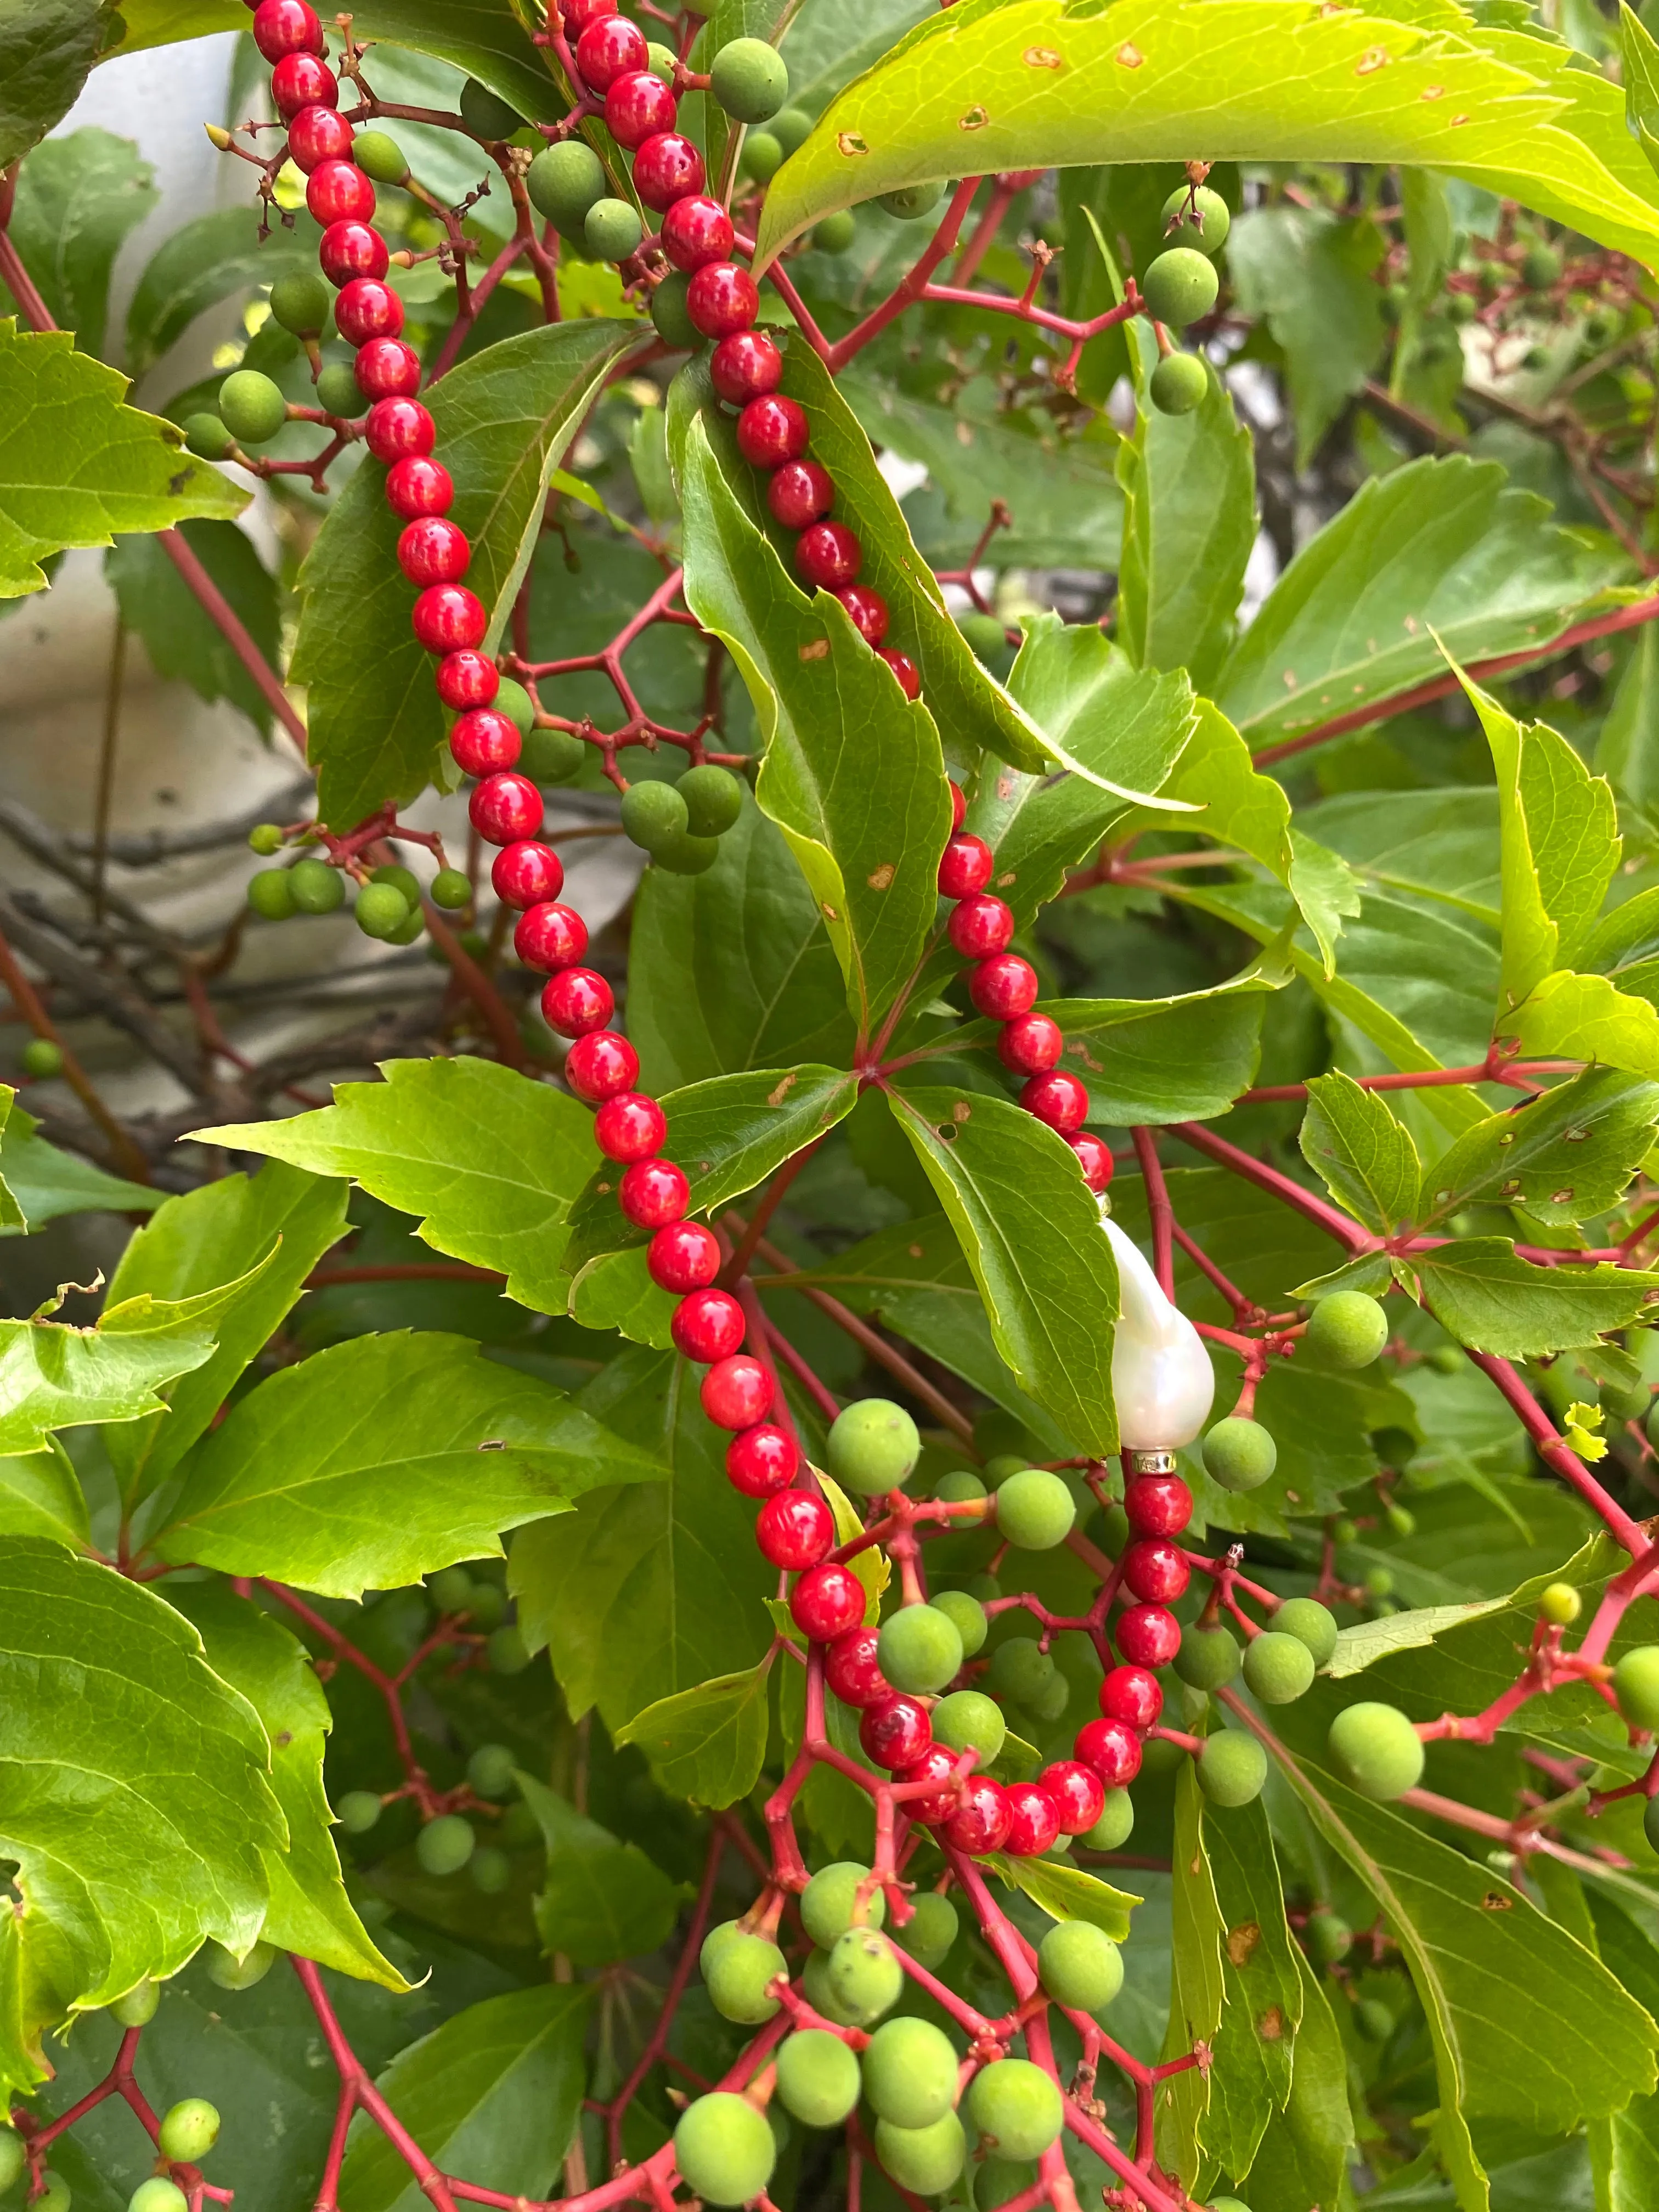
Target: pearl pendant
1162, 1377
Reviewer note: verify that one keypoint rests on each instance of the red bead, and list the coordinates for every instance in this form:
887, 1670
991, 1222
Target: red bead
981, 927
1156, 1569
526, 873
1149, 1634
684, 1257
746, 365
894, 1731
799, 492
761, 1461
1058, 1099
599, 1065
827, 1601
853, 1670
630, 1127
1029, 1044
387, 368
286, 26
965, 865
485, 742
828, 554
1132, 1694
668, 169
721, 297
352, 249
708, 1325
908, 675
576, 1002
338, 192
1078, 1793
550, 937
697, 230
867, 608
795, 1530
1096, 1158
637, 106
465, 679
318, 134
448, 615
396, 428
417, 488
433, 551
772, 430
980, 1823
1003, 986
939, 1766
653, 1194
608, 49
367, 309
578, 13
1157, 1505
1033, 1820
1112, 1748
302, 81
735, 1394
505, 807
958, 806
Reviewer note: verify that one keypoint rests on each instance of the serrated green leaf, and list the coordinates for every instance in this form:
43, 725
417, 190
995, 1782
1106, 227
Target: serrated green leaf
1255, 2047
1197, 1992
76, 199
41, 1495
1565, 1156
1352, 1138
1304, 2150
604, 1900
1641, 59
180, 636
1632, 2172
53, 1376
707, 1744
45, 1182
1483, 1293
1067, 1892
1587, 1017
1364, 1641
47, 48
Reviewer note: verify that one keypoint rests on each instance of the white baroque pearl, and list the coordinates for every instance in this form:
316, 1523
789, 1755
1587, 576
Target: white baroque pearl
1162, 1377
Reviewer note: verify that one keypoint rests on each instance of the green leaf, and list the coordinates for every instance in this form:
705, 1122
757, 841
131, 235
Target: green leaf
1565, 1156
77, 197
494, 2094
1035, 84
1365, 1642
1586, 1017
1641, 59
1067, 1892
1302, 2157
180, 636
1632, 2168
280, 1224
119, 1748
1352, 1138
309, 1911
647, 1591
604, 1900
491, 1160
47, 48
707, 1744
1484, 1294
853, 773
504, 419
1444, 549
45, 1182
1197, 1992
41, 1495
1051, 1302
380, 1459
1253, 2051
1312, 276
1188, 525
210, 258
76, 464
53, 1376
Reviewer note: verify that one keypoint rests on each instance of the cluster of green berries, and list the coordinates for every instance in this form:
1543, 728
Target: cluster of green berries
1181, 286
387, 907
680, 824
1346, 1330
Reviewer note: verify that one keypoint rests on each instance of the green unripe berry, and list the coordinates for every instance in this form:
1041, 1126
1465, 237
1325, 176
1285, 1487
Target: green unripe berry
671, 315
967, 1615
359, 1810
1401, 1519
750, 80
452, 889
873, 1445
1311, 1623
1079, 1965
444, 1845
1017, 2106
910, 2072
1346, 1330
1379, 1582
924, 2161
724, 2148
834, 234
985, 1588
931, 1930
1228, 2204
970, 1721
379, 155
1020, 1670
1540, 267
1329, 1937
206, 436
1560, 1604
486, 1606
450, 1589
1000, 2180
380, 910
158, 2194
1209, 232
1232, 1768
660, 61
959, 1485
1115, 1825
611, 230
270, 894
266, 838
984, 635
714, 799
1180, 383
12, 2157
564, 182
506, 1650
316, 887
489, 1870
791, 127
1179, 287
683, 854
827, 1902
1375, 1747
1462, 307
401, 879
1278, 1669
762, 156
552, 756
715, 1942
1636, 1686
817, 2080
1208, 1657
55, 2195
301, 300
136, 2008
336, 390
227, 1972
511, 699
41, 1059
739, 1978
864, 1973
911, 202
189, 2132
251, 407
485, 113
490, 1770
1374, 2020
1051, 1700
1344, 1531
652, 813
815, 1982
1239, 1454
1650, 1822
518, 1828
919, 1648
1035, 1510
998, 1470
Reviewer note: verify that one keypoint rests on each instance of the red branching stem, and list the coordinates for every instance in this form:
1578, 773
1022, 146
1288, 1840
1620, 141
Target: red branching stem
21, 286
658, 2038
1553, 1450
1497, 1067
911, 287
1347, 1233
231, 627
1160, 1213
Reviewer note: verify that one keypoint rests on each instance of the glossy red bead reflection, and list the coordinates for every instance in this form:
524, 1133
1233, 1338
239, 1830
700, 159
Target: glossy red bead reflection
684, 1257
526, 873
366, 309
609, 48
937, 1766
799, 493
697, 230
708, 1325
417, 487
1132, 1694
668, 169
1148, 1634
302, 81
980, 1824
866, 606
433, 550
1157, 1505
318, 134
637, 105
600, 1065
1033, 1820
352, 249
772, 430
853, 1670
630, 1127
736, 1393
1112, 1748
578, 1000
828, 554
747, 365
338, 192
722, 297
483, 742
1058, 1099
505, 806
1030, 1044
904, 669
761, 1461
1156, 1569
1003, 986
966, 863
1095, 1157
794, 1530
387, 368
1078, 1793
982, 925
827, 1601
653, 1194
396, 428
894, 1731
286, 26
